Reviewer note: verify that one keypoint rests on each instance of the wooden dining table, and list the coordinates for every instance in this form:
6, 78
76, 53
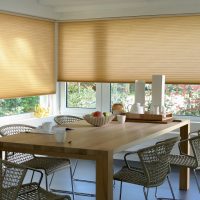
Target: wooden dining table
85, 141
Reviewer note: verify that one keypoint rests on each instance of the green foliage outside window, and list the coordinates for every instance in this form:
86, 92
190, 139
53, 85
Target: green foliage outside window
81, 95
180, 99
18, 105
123, 93
183, 99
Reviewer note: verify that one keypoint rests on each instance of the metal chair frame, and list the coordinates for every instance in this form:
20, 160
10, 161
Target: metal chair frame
12, 187
22, 158
153, 170
178, 160
65, 120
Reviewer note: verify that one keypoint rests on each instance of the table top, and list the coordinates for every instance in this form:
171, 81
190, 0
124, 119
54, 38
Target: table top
113, 137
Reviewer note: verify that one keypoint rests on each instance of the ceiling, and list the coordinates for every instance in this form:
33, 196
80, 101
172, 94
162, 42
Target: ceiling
93, 9
75, 9
84, 2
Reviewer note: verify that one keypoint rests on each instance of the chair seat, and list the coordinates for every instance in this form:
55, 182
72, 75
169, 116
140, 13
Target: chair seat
33, 192
48, 164
130, 176
183, 160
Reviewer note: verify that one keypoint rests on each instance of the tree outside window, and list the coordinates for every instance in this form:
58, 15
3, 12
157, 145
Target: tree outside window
81, 95
18, 105
180, 99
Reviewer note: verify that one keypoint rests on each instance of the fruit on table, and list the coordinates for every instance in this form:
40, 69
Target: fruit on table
107, 114
97, 114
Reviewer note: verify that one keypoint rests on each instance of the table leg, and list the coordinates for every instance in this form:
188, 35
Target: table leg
184, 179
104, 176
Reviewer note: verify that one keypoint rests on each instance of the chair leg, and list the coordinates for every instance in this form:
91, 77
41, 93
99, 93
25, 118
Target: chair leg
145, 194
71, 175
72, 192
32, 176
170, 186
114, 183
156, 190
80, 180
76, 164
46, 180
120, 194
51, 180
196, 179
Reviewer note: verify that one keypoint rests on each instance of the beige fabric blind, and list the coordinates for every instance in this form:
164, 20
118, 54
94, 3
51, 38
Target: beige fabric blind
124, 50
26, 56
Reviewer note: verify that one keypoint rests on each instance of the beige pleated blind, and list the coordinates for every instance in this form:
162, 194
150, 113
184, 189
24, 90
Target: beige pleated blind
26, 56
124, 50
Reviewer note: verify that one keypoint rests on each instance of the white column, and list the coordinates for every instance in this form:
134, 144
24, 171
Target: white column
158, 91
140, 92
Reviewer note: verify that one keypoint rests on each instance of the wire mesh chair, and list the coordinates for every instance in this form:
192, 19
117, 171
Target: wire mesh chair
189, 161
12, 187
48, 164
66, 119
153, 168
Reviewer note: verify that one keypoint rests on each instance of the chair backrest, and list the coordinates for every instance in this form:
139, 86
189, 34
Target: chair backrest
66, 119
13, 129
11, 178
155, 160
195, 144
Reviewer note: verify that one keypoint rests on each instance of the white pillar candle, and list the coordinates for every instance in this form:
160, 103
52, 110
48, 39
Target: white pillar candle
158, 91
140, 92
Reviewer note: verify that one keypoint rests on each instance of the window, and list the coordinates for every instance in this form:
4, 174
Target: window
84, 98
27, 56
80, 98
179, 99
122, 93
183, 99
81, 95
18, 105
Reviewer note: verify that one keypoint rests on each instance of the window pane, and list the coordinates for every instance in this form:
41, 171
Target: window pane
183, 99
123, 93
179, 99
81, 95
18, 105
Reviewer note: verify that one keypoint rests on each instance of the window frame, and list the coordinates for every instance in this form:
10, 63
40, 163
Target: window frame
81, 111
103, 95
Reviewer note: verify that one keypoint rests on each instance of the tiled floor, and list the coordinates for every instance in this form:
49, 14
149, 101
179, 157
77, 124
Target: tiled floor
86, 170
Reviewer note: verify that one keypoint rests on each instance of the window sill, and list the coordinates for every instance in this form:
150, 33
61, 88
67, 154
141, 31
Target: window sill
27, 118
194, 119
